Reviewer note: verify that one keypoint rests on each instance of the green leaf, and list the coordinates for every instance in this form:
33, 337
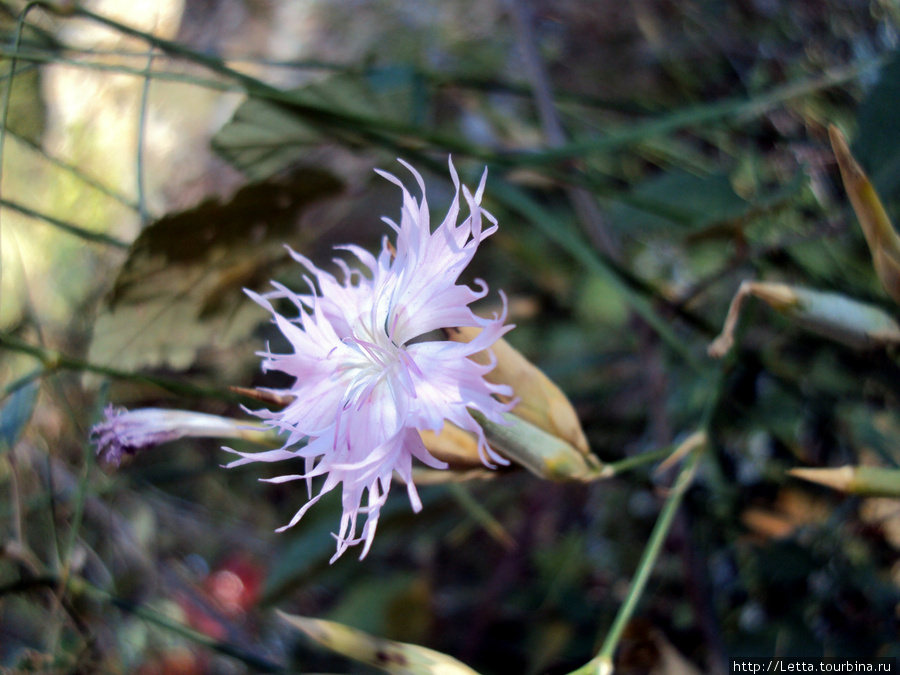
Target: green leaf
180, 290
877, 147
16, 413
263, 137
397, 658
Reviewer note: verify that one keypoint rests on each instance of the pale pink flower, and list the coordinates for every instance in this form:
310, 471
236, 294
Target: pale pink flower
363, 388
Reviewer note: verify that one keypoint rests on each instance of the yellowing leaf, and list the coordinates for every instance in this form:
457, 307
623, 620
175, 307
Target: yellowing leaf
868, 481
397, 658
884, 243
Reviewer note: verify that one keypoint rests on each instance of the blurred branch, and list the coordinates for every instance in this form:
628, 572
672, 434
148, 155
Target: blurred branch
141, 133
76, 587
586, 207
54, 361
733, 110
98, 237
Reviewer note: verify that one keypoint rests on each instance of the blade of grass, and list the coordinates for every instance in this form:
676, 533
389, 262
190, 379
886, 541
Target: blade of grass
519, 202
75, 171
141, 133
75, 230
731, 109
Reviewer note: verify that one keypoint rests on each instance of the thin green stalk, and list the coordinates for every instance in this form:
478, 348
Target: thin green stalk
7, 98
694, 446
76, 230
724, 110
629, 463
139, 155
519, 202
481, 515
53, 57
602, 663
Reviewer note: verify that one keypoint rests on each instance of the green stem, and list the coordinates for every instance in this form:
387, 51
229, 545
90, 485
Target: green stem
602, 664
629, 463
142, 131
730, 109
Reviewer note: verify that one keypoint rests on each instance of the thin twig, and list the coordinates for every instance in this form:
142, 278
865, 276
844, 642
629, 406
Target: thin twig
54, 361
585, 204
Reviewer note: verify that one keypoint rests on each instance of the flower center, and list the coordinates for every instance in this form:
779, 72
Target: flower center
379, 360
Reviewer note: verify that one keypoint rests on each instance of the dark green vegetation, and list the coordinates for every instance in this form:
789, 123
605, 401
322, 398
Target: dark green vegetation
644, 159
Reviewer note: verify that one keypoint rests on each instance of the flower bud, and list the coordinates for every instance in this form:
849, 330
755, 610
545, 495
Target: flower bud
831, 315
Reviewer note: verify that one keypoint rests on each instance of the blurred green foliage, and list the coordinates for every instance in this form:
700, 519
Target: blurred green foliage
697, 132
